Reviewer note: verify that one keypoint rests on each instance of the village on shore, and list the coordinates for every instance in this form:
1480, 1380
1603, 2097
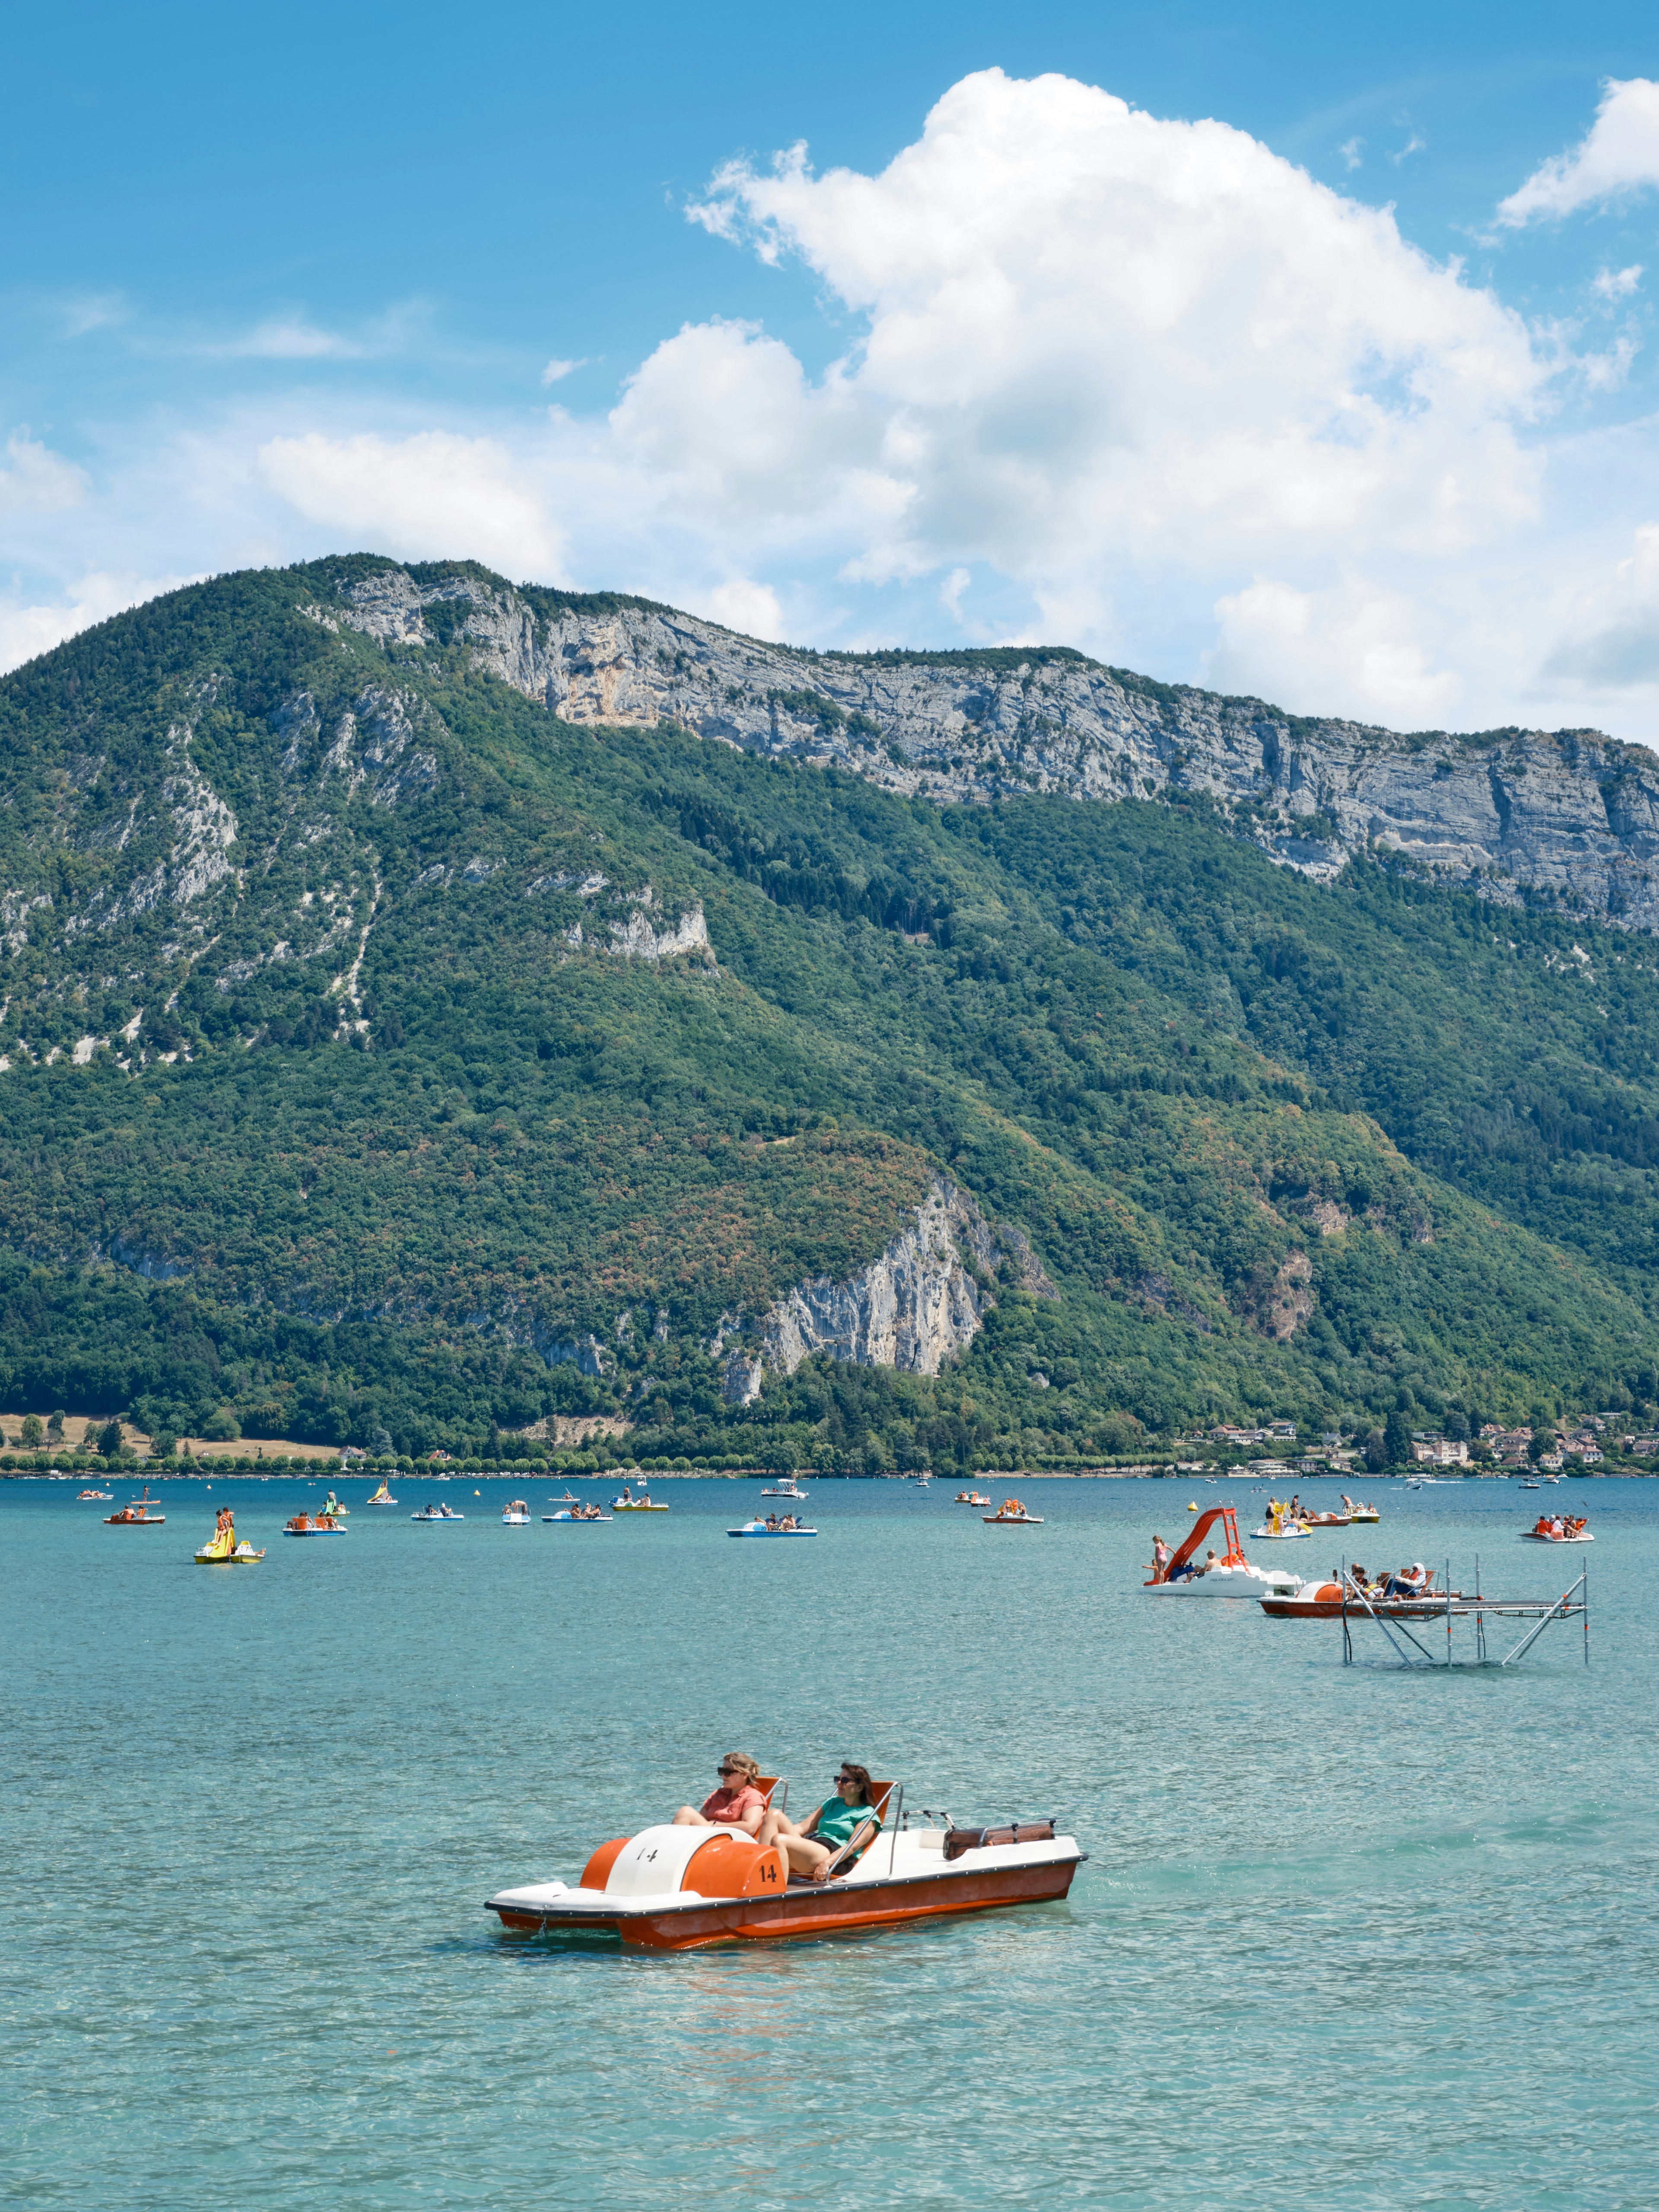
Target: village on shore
1604, 1443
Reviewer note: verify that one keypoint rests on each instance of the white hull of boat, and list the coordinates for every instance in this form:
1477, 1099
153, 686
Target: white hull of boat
1228, 1582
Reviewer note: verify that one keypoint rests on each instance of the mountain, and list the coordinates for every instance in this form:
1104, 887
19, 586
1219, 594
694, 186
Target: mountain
432, 1007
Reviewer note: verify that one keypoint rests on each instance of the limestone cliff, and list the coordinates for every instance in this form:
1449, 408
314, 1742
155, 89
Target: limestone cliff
1567, 814
915, 1306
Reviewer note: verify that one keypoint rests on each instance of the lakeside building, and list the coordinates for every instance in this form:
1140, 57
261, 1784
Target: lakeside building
1441, 1452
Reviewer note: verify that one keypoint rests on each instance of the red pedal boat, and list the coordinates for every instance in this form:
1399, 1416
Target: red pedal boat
137, 1514
678, 1889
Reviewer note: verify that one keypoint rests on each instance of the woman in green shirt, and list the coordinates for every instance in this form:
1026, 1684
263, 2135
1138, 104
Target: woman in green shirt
809, 1848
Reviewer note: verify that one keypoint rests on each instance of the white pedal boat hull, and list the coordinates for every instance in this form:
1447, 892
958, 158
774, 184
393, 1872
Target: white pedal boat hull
1228, 1582
656, 1897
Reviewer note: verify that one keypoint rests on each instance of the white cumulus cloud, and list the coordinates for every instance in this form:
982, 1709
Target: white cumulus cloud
1155, 390
33, 480
1620, 155
419, 497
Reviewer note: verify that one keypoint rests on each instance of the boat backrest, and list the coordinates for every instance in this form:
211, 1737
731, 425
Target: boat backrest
775, 1790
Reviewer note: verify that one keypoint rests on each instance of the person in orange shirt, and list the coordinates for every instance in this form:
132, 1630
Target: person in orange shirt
736, 1804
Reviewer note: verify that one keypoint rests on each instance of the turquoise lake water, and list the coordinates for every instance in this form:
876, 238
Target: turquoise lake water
1347, 1937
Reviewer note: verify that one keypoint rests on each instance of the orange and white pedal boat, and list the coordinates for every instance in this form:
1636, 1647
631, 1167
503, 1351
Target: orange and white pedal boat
1231, 1575
679, 1889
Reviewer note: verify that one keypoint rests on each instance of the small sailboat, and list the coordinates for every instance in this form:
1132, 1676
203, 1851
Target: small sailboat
383, 1495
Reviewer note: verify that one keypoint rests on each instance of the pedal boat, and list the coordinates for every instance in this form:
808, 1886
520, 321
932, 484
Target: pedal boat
581, 1518
1232, 1574
1010, 1514
1282, 1528
1542, 1533
515, 1514
383, 1495
222, 1550
1319, 1600
970, 1497
630, 1503
314, 1524
437, 1513
760, 1529
137, 1514
681, 1889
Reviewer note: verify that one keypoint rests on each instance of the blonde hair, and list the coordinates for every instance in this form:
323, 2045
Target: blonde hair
742, 1759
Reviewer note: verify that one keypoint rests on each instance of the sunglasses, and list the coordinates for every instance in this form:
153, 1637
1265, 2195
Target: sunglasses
731, 1770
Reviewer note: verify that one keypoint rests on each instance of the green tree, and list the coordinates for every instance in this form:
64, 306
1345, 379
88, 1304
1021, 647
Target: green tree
1397, 1439
163, 1444
32, 1433
109, 1441
223, 1428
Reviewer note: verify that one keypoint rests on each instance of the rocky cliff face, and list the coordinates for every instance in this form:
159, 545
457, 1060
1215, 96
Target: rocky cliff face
1568, 815
917, 1305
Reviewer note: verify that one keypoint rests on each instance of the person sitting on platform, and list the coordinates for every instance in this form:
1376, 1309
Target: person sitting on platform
736, 1804
809, 1848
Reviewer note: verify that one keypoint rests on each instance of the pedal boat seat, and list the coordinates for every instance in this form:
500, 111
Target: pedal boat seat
856, 1844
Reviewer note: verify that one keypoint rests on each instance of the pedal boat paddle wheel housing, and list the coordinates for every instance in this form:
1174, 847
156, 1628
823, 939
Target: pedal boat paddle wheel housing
678, 1889
1232, 1574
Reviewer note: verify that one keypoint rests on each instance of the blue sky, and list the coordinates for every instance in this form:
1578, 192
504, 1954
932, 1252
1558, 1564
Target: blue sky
279, 283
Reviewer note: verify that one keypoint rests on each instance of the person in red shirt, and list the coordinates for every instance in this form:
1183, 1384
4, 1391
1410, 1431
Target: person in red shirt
736, 1804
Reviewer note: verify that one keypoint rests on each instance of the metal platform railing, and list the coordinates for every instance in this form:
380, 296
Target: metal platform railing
1398, 1618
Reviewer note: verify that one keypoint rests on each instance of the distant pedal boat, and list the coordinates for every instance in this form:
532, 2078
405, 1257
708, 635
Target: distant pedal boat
137, 1514
1230, 1576
314, 1524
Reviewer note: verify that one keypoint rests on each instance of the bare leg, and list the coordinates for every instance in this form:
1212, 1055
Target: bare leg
805, 1854
689, 1817
773, 1827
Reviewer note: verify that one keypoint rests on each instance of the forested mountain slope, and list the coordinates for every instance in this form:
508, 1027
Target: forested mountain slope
383, 1051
